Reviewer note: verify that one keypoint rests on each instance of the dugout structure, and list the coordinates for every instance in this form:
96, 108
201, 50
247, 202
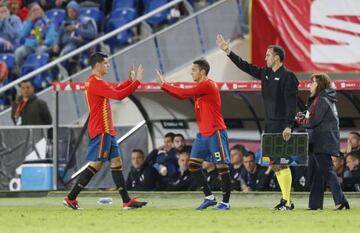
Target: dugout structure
242, 109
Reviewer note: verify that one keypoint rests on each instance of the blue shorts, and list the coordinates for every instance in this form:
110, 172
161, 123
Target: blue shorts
102, 148
214, 149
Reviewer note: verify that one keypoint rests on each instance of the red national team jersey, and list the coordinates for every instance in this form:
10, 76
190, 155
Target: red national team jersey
207, 104
97, 94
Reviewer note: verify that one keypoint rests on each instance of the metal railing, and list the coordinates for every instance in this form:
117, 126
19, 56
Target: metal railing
198, 29
90, 44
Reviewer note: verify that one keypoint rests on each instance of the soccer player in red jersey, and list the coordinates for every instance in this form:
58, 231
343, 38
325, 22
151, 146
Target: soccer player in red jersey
103, 144
211, 143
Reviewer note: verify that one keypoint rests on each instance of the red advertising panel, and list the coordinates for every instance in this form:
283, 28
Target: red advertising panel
318, 35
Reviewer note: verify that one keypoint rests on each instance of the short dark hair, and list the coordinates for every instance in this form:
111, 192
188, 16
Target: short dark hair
354, 154
170, 135
25, 81
139, 151
356, 133
179, 135
184, 152
250, 153
323, 80
97, 57
203, 64
278, 50
240, 148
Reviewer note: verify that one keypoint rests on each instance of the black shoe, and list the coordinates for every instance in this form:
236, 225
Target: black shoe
319, 208
342, 206
133, 204
282, 206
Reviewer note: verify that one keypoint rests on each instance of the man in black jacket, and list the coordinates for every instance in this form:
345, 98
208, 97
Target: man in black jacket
254, 177
141, 177
237, 153
28, 109
351, 180
183, 181
279, 88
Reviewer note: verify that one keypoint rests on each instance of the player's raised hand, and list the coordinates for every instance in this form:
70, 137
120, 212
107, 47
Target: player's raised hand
160, 78
139, 74
287, 134
132, 73
222, 44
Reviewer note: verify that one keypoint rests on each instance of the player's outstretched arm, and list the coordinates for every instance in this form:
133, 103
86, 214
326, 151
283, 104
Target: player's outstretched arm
251, 69
125, 92
102, 88
130, 79
162, 83
183, 93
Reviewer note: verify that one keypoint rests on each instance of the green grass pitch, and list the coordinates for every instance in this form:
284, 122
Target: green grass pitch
173, 213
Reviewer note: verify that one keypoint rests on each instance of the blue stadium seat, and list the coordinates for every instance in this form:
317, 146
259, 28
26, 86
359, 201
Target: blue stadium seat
159, 18
57, 16
33, 62
9, 59
94, 13
123, 4
121, 38
118, 18
128, 13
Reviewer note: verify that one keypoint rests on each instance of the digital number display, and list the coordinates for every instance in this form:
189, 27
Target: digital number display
277, 151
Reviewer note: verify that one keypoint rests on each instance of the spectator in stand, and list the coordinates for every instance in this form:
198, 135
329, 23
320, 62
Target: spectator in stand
74, 32
142, 177
37, 34
237, 153
90, 3
28, 109
254, 177
16, 8
164, 160
10, 25
61, 3
183, 180
351, 180
212, 176
180, 144
353, 143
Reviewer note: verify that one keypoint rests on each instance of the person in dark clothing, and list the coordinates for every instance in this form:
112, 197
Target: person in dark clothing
142, 177
279, 88
28, 109
237, 153
164, 160
180, 144
351, 180
339, 166
353, 142
254, 177
322, 123
183, 181
301, 181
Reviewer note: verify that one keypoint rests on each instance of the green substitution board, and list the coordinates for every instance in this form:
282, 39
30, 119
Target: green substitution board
277, 151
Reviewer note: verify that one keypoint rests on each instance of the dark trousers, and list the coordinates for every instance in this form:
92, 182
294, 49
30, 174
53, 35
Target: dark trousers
323, 172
